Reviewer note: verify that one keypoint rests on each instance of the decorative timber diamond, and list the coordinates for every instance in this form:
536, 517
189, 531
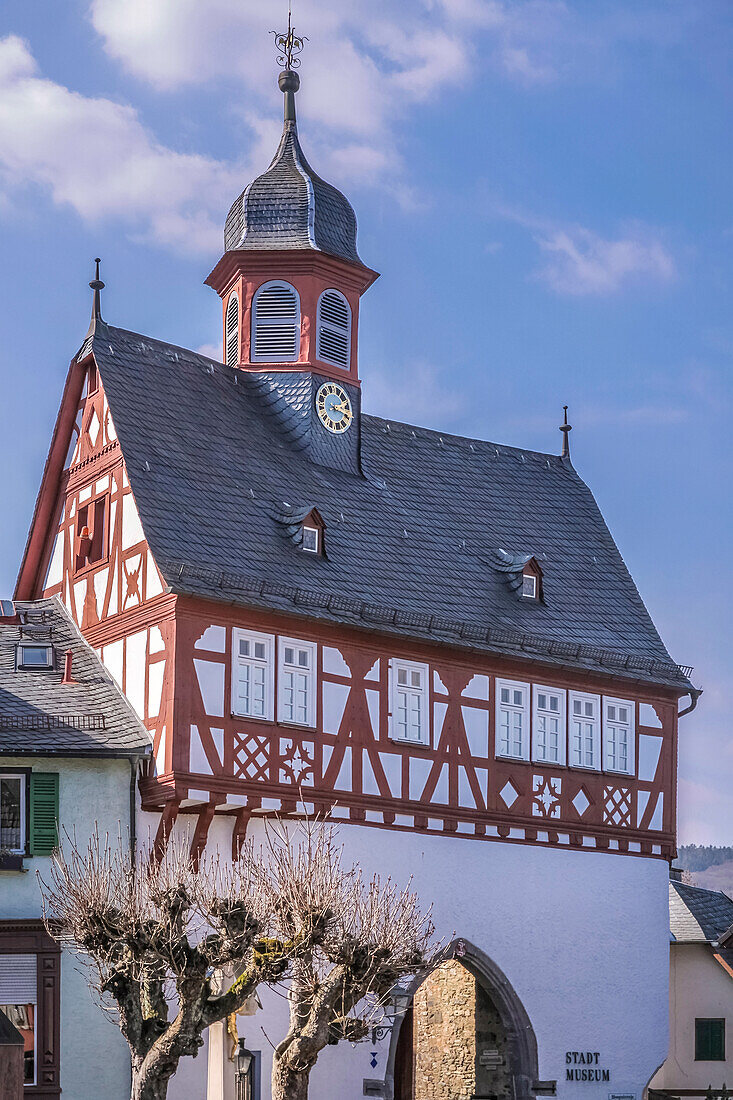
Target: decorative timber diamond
509, 794
581, 802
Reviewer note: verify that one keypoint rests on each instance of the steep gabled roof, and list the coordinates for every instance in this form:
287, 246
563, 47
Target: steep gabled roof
41, 715
697, 915
411, 543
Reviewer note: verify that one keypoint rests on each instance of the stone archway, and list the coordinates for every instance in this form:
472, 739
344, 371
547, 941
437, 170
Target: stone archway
495, 1048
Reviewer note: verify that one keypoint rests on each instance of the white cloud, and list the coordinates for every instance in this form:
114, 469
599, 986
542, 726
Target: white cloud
580, 262
96, 156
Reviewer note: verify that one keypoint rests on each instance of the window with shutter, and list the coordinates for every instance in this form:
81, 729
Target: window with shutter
275, 324
618, 735
232, 332
548, 725
296, 682
585, 730
44, 813
710, 1040
253, 675
512, 719
409, 702
334, 329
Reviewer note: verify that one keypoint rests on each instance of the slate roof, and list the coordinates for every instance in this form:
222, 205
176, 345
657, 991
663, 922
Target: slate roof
289, 206
697, 915
411, 543
40, 715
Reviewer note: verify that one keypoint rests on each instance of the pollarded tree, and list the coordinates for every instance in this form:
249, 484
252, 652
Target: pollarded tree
154, 935
370, 934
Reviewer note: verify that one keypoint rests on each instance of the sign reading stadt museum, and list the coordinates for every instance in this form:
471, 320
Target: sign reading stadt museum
582, 1065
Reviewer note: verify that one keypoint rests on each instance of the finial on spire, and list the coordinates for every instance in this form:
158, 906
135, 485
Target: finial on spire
566, 429
289, 45
97, 286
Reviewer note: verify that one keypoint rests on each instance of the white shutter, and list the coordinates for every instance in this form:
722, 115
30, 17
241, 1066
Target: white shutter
276, 324
548, 725
618, 735
296, 682
512, 719
18, 979
409, 718
334, 329
253, 675
232, 332
584, 730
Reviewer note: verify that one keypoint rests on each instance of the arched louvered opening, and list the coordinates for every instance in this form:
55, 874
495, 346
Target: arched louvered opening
334, 329
275, 324
231, 355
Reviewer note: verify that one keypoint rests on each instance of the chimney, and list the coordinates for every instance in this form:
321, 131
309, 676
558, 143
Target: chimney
68, 659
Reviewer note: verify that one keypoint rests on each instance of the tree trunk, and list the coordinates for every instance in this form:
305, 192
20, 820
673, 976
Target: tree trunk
287, 1083
149, 1086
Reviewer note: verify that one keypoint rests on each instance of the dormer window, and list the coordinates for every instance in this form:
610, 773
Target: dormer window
311, 539
334, 329
275, 324
33, 657
531, 581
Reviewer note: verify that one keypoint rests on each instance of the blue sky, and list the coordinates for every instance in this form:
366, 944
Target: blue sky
545, 187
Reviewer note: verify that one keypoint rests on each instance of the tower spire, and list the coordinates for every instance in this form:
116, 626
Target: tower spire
288, 46
97, 286
566, 429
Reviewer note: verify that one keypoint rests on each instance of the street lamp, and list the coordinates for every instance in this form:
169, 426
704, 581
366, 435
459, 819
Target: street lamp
243, 1062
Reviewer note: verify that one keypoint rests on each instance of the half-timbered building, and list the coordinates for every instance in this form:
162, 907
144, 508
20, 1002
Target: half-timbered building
431, 639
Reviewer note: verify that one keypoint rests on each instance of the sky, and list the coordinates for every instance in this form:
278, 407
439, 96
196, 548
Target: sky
545, 186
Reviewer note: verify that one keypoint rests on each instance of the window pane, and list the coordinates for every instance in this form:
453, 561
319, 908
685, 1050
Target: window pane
303, 658
10, 813
260, 650
554, 702
24, 1018
289, 655
505, 695
401, 675
517, 698
577, 706
244, 647
542, 701
35, 656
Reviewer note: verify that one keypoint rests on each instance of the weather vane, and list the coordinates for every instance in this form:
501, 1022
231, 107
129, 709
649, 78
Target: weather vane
288, 45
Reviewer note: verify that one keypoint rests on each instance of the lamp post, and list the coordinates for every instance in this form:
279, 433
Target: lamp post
243, 1062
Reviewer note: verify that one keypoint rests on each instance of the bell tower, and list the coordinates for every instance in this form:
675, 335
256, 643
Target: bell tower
290, 279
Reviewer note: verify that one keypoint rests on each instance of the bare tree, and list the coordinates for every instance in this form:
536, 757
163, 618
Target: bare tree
154, 935
370, 934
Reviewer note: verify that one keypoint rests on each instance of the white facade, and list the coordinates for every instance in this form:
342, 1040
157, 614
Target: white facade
582, 937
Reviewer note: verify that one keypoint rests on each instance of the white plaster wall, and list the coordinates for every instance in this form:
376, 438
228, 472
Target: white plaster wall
698, 987
91, 1046
583, 937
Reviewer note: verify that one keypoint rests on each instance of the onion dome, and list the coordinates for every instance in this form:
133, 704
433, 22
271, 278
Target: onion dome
289, 206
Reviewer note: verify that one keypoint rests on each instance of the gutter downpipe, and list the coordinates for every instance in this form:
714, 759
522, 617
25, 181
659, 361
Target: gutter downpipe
134, 765
694, 694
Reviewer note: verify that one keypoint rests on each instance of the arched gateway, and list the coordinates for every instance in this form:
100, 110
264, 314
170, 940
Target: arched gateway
465, 1031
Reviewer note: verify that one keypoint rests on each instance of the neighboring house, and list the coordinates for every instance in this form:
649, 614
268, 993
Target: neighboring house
430, 639
70, 749
700, 992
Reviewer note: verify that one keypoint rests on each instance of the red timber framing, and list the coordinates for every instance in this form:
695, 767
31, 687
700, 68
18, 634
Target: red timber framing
173, 656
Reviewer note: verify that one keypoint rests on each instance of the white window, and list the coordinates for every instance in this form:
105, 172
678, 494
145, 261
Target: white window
12, 813
296, 695
275, 324
253, 675
512, 719
334, 329
409, 702
231, 354
585, 730
529, 586
618, 735
548, 725
311, 539
19, 1001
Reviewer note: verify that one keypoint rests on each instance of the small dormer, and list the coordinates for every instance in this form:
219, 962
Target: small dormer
522, 573
532, 580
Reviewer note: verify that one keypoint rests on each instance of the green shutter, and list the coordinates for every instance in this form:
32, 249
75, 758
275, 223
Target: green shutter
44, 816
709, 1040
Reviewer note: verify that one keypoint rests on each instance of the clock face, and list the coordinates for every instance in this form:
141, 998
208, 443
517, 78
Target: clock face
334, 408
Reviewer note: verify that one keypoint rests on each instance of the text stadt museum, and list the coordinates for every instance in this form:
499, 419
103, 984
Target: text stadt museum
434, 638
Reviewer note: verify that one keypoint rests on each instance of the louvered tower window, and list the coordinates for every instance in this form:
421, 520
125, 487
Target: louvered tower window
275, 324
334, 329
232, 332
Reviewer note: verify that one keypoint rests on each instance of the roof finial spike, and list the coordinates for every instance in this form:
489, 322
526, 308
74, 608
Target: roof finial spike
97, 286
566, 429
289, 46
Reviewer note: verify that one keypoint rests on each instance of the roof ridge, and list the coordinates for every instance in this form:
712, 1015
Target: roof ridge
450, 437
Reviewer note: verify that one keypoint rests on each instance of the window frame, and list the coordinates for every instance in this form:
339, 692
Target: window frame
29, 937
396, 664
562, 714
529, 576
24, 774
284, 642
331, 327
611, 700
525, 709
21, 666
317, 549
103, 558
297, 321
698, 1043
239, 633
585, 696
